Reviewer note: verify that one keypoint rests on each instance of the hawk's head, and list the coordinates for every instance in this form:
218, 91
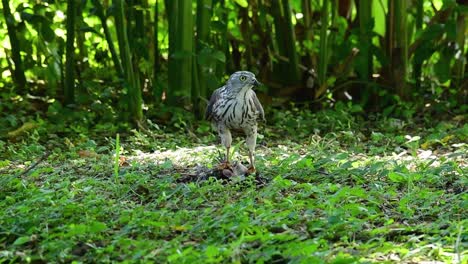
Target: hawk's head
241, 80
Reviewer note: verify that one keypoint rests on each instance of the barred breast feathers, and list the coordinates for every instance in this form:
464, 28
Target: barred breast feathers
234, 110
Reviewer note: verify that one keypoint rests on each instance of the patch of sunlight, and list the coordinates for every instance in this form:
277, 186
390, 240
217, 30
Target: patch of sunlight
294, 20
17, 16
179, 156
438, 4
60, 32
60, 14
299, 15
6, 74
431, 158
433, 247
6, 44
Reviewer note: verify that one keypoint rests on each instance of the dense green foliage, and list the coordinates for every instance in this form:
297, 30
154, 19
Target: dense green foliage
104, 156
129, 53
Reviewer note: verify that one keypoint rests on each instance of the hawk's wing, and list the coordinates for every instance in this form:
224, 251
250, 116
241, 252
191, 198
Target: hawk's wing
259, 107
214, 98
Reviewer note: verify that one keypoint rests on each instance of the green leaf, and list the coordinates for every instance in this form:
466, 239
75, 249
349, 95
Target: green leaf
78, 229
432, 31
242, 3
218, 55
167, 164
21, 240
208, 56
211, 251
396, 176
442, 69
344, 260
97, 227
4, 163
378, 11
424, 51
47, 32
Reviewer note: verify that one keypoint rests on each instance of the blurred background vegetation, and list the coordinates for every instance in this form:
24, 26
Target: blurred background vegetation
130, 61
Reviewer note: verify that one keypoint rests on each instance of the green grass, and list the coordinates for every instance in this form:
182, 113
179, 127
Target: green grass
335, 189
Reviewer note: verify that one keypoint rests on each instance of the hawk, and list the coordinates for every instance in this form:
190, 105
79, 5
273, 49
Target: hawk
235, 106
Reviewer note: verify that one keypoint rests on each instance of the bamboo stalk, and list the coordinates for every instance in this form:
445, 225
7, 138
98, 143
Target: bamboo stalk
18, 73
203, 30
157, 91
224, 44
180, 49
134, 99
365, 42
102, 17
306, 10
246, 33
323, 46
417, 65
157, 62
69, 89
80, 39
285, 41
291, 44
171, 8
185, 46
401, 40
130, 17
199, 89
460, 62
136, 24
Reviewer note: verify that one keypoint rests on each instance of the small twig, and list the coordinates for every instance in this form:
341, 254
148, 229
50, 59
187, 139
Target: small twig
41, 159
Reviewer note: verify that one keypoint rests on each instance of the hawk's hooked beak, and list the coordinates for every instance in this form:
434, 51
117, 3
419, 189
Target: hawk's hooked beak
256, 83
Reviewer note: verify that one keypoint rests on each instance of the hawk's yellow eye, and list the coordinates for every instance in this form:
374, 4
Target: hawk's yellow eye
243, 78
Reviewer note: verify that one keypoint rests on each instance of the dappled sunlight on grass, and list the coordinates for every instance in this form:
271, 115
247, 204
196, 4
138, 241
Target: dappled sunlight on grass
180, 156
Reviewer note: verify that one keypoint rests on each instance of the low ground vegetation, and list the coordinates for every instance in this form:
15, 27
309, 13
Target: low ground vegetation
332, 187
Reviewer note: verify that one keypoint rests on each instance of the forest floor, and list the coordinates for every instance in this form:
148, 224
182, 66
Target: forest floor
332, 187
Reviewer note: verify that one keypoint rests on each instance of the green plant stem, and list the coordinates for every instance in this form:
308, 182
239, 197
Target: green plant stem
117, 156
69, 89
195, 94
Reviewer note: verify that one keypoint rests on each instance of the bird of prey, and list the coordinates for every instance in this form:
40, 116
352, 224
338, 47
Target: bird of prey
235, 106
